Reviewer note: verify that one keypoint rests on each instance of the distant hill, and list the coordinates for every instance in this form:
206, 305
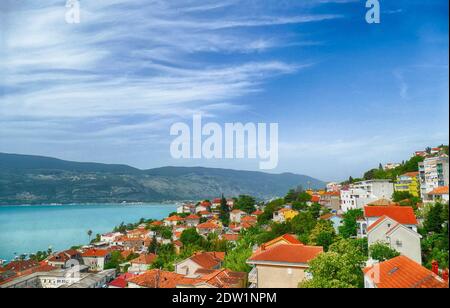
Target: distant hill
26, 179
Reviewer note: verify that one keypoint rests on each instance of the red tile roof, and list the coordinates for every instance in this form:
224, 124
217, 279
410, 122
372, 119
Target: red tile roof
402, 272
21, 266
439, 191
121, 281
315, 198
286, 239
147, 258
162, 279
287, 253
208, 260
224, 278
95, 253
257, 212
230, 237
192, 217
402, 214
208, 225
157, 223
174, 218
411, 174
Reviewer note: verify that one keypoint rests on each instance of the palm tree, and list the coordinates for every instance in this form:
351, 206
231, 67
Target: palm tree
89, 233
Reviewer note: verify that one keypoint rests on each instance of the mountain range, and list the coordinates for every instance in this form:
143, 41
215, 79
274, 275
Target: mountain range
26, 179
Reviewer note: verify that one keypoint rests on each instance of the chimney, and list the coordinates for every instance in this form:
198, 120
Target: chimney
435, 267
445, 275
263, 247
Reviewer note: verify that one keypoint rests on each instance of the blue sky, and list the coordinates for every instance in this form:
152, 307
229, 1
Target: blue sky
347, 95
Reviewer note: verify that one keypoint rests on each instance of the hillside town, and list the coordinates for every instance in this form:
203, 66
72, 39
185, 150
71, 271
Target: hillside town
388, 229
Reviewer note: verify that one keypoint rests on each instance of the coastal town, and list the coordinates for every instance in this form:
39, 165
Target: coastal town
388, 229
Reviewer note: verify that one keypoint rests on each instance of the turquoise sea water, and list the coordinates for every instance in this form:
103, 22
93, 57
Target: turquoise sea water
27, 229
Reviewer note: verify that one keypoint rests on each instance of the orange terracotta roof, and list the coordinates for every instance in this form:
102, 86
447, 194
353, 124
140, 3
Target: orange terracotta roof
174, 218
249, 219
121, 281
147, 258
205, 213
230, 237
402, 214
95, 253
443, 190
411, 174
192, 217
21, 266
286, 238
161, 279
257, 212
402, 272
208, 225
157, 223
223, 278
208, 260
237, 211
315, 198
287, 253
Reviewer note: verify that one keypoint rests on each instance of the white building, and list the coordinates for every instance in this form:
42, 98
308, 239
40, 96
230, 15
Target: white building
333, 187
434, 173
399, 237
362, 193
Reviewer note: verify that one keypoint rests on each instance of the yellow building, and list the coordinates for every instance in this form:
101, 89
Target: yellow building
409, 182
284, 215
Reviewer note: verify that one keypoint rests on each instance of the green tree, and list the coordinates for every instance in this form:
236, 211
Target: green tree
323, 234
304, 197
153, 247
270, 208
89, 233
315, 210
349, 225
340, 267
246, 203
302, 224
382, 252
191, 237
224, 211
434, 218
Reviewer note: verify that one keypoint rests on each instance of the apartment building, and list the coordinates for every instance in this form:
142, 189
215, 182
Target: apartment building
359, 194
434, 173
408, 182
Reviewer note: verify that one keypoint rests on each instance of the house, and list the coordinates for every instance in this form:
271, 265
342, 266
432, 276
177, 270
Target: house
403, 273
284, 215
192, 220
391, 166
399, 237
359, 194
203, 206
237, 215
133, 244
230, 203
439, 194
331, 200
206, 214
216, 205
96, 259
209, 227
249, 221
142, 263
121, 281
282, 266
173, 220
333, 187
402, 214
408, 182
110, 237
203, 260
185, 208
65, 259
335, 219
158, 279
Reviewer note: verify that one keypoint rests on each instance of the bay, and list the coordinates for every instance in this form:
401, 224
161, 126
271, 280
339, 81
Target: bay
27, 229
